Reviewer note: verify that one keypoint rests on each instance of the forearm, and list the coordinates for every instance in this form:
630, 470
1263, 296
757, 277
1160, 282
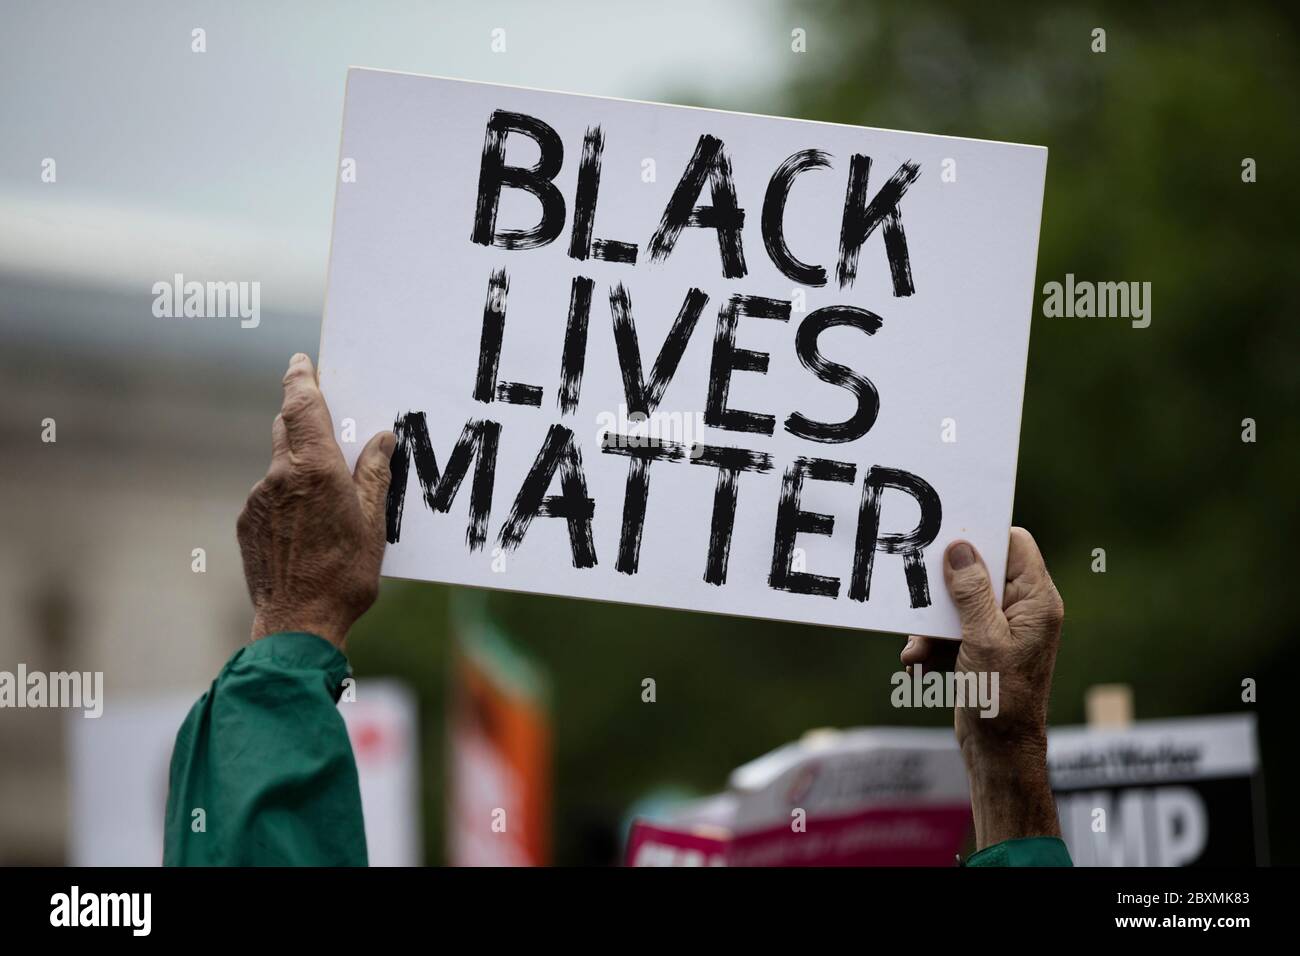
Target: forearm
1011, 795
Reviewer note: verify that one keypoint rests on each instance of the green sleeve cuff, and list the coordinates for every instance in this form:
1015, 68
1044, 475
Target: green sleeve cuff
1028, 851
297, 651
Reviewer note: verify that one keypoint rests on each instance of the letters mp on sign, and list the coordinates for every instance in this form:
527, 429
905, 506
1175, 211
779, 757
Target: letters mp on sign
681, 357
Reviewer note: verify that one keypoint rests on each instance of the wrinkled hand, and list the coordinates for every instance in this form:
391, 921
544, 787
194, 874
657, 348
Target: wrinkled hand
1006, 754
1018, 641
311, 534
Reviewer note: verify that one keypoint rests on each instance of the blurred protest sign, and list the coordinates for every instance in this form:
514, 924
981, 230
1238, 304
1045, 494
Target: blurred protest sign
888, 797
500, 739
555, 299
1183, 792
119, 773
384, 729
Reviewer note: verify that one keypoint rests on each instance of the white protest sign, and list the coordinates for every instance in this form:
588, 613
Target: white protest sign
680, 357
118, 773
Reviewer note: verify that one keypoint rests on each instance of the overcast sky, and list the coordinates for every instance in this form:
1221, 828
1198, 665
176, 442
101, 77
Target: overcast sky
225, 161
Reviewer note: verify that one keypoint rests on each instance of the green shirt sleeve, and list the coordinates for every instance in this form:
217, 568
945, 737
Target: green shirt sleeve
1029, 851
265, 755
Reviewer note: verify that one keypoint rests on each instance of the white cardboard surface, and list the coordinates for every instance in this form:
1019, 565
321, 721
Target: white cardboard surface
405, 310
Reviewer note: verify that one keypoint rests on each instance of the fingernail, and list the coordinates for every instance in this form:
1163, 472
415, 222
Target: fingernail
910, 642
387, 443
960, 555
298, 357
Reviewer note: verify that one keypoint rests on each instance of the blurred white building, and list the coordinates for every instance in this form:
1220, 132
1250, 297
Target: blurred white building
151, 461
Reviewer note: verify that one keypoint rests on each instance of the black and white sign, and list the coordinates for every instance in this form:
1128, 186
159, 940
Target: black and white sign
1160, 793
681, 357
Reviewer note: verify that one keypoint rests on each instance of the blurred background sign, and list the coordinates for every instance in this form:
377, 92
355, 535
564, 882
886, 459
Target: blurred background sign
500, 742
1183, 792
869, 797
119, 769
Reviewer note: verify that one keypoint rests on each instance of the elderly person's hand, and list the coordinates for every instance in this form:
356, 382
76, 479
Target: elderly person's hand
1006, 754
312, 533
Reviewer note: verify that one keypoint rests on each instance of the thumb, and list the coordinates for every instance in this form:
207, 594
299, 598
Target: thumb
972, 592
371, 476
